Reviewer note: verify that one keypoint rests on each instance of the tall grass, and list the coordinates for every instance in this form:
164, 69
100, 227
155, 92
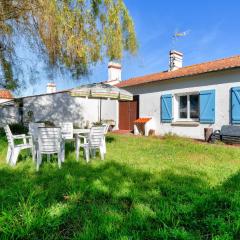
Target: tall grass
146, 188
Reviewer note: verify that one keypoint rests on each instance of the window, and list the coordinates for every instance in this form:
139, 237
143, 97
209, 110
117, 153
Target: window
189, 106
183, 107
194, 106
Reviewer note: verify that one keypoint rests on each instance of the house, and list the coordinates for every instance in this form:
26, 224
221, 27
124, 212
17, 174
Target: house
181, 100
185, 100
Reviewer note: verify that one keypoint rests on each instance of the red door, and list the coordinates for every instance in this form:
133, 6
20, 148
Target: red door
128, 113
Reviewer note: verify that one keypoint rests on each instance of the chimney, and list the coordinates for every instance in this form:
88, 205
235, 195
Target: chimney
51, 87
175, 60
114, 73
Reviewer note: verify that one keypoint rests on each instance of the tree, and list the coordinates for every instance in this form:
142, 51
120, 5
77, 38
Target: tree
68, 33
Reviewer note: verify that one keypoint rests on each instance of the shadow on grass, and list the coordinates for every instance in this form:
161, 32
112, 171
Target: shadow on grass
110, 139
69, 148
113, 201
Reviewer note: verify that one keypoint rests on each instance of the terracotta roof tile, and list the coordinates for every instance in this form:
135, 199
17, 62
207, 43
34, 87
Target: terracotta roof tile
213, 66
6, 94
142, 120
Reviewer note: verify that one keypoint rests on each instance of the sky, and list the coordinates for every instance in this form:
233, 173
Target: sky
213, 28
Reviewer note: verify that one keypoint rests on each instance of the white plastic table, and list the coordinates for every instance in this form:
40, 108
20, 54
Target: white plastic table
81, 131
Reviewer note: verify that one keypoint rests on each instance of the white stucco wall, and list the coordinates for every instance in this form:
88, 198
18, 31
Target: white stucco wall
150, 95
62, 107
9, 114
2, 100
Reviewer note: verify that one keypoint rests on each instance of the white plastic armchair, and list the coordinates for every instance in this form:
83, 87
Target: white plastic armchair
50, 142
33, 131
106, 127
92, 142
67, 133
67, 130
13, 148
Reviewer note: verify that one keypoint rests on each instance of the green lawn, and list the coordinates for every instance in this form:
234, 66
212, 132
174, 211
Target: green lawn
146, 188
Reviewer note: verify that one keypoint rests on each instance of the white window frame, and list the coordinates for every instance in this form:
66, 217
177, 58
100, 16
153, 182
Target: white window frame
177, 114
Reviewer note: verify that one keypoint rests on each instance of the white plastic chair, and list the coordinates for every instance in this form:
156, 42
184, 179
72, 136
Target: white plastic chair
92, 142
14, 149
67, 132
106, 127
50, 142
33, 131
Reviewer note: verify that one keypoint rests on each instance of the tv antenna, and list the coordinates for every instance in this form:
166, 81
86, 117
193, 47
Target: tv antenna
178, 34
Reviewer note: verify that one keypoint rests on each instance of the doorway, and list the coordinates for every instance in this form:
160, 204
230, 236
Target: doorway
128, 113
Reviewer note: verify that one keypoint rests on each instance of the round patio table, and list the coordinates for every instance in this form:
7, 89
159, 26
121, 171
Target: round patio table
81, 131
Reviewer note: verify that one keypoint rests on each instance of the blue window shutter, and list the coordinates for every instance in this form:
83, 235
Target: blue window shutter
207, 106
166, 108
235, 111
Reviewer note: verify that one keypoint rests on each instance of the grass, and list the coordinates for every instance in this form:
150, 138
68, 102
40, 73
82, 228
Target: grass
146, 188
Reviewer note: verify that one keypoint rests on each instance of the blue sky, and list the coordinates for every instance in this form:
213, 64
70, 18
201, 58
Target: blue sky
213, 33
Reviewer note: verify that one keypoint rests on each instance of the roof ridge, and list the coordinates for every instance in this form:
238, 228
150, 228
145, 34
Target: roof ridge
185, 67
215, 60
191, 70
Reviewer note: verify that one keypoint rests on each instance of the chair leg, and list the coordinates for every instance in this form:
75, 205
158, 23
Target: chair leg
39, 160
14, 156
63, 152
86, 151
33, 153
59, 159
104, 148
102, 152
9, 153
104, 145
77, 148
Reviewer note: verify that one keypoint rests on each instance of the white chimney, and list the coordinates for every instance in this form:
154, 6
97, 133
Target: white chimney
114, 73
51, 88
175, 60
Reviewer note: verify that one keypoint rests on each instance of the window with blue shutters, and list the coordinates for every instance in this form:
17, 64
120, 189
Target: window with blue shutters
166, 108
207, 106
188, 107
235, 105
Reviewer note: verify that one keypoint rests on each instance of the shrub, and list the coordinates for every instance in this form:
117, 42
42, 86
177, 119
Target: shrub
16, 128
96, 124
47, 123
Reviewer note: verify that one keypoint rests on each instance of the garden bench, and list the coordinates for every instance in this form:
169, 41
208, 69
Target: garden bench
227, 134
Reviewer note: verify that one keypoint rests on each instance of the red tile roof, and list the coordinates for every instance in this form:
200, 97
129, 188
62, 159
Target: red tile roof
142, 120
213, 66
6, 94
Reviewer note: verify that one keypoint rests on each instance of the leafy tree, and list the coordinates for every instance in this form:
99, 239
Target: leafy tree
67, 33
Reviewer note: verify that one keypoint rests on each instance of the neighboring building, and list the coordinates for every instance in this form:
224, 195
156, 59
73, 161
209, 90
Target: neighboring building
185, 100
5, 95
9, 112
59, 106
